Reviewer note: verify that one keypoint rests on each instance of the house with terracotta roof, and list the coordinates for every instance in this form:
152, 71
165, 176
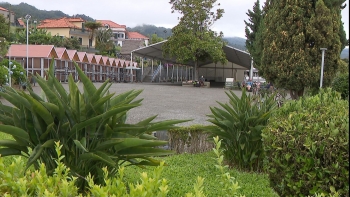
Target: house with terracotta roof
69, 28
8, 15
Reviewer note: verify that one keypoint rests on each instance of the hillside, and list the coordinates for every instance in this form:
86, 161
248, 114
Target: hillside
345, 54
236, 42
23, 9
148, 30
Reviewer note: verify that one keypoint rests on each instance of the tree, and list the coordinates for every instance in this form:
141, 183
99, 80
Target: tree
293, 35
104, 43
192, 38
4, 27
155, 39
251, 29
93, 26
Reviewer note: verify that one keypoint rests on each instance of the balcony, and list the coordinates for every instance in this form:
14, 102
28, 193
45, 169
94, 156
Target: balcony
78, 32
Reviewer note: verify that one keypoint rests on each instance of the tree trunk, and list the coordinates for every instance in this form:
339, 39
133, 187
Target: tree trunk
295, 94
196, 70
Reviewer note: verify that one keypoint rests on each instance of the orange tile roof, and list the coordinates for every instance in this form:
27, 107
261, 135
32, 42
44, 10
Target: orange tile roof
75, 19
44, 51
21, 22
3, 9
135, 35
111, 24
57, 23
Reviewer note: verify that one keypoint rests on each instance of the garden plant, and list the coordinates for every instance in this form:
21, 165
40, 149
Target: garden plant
307, 146
91, 126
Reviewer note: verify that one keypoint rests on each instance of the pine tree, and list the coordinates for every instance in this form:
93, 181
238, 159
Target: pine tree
252, 27
293, 35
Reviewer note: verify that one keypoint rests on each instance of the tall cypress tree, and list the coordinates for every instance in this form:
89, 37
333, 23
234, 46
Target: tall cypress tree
293, 35
252, 27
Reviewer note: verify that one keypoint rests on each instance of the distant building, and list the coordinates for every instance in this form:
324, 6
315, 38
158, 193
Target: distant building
8, 15
69, 28
121, 34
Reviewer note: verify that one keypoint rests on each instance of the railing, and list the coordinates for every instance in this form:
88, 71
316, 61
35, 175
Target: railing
156, 72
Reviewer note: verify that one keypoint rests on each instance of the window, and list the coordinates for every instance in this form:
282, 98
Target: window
90, 42
81, 41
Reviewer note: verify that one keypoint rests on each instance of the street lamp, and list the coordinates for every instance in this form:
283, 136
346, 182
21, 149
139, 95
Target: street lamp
322, 65
27, 17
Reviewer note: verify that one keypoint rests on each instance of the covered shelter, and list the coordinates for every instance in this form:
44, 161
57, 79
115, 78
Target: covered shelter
238, 62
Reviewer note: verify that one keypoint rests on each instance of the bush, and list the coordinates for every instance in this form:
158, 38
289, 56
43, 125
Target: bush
17, 72
341, 84
15, 181
239, 125
190, 139
91, 126
306, 145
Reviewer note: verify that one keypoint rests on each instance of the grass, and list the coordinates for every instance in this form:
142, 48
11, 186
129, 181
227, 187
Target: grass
182, 172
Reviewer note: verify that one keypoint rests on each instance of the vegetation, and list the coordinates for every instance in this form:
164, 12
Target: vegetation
91, 126
16, 181
307, 146
93, 26
251, 31
104, 43
147, 29
239, 124
292, 38
192, 39
341, 84
18, 74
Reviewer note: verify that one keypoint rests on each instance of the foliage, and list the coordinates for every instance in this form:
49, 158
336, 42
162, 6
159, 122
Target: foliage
341, 84
3, 47
92, 26
190, 139
91, 126
292, 38
18, 74
182, 169
239, 124
104, 43
307, 146
4, 27
147, 29
252, 27
155, 39
4, 73
192, 39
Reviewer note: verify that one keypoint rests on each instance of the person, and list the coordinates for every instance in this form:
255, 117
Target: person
201, 81
249, 84
32, 80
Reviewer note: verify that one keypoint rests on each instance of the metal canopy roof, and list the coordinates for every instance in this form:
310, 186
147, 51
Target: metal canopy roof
233, 55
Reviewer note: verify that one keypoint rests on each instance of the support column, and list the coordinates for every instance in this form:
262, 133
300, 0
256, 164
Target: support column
251, 70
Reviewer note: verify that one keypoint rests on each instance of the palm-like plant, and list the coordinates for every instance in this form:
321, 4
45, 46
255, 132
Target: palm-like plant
91, 126
239, 124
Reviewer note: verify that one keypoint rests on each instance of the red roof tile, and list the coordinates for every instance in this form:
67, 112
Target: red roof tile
44, 51
75, 20
111, 24
57, 23
3, 9
60, 51
135, 35
21, 22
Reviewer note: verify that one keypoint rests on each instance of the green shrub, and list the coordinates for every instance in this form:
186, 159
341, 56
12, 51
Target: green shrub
91, 126
306, 145
18, 73
239, 125
14, 181
4, 75
190, 139
341, 84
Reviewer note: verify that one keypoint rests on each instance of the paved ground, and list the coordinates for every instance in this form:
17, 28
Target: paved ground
169, 101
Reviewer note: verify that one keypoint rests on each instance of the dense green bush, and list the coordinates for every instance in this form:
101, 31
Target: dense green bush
192, 139
17, 72
239, 125
341, 84
307, 146
91, 125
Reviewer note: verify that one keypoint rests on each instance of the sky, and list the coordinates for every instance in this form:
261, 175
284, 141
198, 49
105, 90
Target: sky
156, 12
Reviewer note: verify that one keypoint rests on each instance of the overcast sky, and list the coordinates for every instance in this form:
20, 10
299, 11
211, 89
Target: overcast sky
155, 12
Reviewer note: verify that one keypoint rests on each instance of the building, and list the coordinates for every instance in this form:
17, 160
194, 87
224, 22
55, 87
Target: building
8, 15
121, 34
69, 28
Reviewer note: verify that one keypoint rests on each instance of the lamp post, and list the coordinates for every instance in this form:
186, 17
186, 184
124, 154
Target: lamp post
27, 17
322, 65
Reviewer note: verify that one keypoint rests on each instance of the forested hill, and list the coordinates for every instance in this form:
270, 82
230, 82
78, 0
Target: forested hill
148, 30
23, 9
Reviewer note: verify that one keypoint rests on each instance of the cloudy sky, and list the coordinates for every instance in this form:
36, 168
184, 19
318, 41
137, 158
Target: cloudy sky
156, 12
